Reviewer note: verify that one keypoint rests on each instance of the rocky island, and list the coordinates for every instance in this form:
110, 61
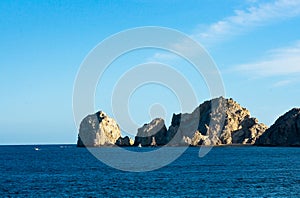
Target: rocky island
226, 123
98, 130
219, 121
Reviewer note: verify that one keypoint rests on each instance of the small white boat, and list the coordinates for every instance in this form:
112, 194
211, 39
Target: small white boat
36, 148
139, 145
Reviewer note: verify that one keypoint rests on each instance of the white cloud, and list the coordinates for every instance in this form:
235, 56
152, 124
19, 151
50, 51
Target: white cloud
249, 18
278, 62
282, 83
183, 47
241, 22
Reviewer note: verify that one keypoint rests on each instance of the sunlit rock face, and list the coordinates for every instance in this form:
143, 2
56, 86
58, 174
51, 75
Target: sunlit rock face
218, 121
284, 132
98, 130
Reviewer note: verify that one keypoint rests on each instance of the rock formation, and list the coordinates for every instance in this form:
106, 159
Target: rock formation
126, 141
284, 132
220, 121
98, 130
152, 134
215, 122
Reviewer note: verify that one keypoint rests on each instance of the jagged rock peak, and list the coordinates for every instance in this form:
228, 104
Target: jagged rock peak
217, 121
98, 130
284, 132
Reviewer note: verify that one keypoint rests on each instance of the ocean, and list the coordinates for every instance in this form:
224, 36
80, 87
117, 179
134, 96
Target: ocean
68, 171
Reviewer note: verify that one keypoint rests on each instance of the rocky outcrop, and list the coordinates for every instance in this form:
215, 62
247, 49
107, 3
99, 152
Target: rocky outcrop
284, 132
250, 130
152, 134
215, 122
220, 121
197, 139
126, 141
98, 130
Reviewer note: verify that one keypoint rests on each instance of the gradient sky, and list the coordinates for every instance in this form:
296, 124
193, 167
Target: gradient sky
255, 44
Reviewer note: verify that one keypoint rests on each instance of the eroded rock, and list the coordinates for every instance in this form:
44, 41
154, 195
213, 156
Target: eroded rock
284, 132
215, 122
98, 130
152, 134
126, 141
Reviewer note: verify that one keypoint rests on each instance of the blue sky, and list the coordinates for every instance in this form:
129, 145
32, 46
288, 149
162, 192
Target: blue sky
255, 44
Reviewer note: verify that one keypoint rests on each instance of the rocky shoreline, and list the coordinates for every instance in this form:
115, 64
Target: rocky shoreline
217, 122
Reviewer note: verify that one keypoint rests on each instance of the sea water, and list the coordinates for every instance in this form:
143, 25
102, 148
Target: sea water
67, 171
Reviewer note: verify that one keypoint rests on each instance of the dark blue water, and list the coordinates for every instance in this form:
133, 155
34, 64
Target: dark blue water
56, 171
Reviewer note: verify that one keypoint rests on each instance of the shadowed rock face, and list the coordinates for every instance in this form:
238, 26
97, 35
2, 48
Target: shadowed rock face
284, 132
152, 134
98, 130
125, 141
215, 122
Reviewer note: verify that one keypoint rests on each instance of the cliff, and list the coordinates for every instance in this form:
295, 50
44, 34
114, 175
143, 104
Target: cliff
98, 130
284, 132
152, 134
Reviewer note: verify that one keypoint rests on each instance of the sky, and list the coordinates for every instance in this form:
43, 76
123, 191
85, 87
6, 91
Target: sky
255, 45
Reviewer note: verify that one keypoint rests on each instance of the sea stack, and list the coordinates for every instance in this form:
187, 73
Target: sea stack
221, 122
124, 141
98, 130
152, 134
284, 132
